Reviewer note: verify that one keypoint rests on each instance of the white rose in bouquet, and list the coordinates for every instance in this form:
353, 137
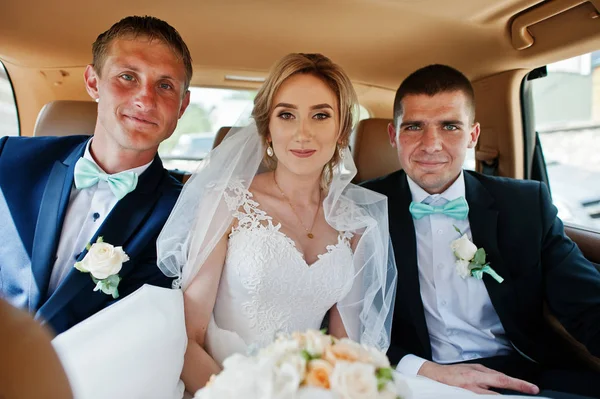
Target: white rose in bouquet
346, 350
377, 358
297, 363
241, 374
354, 380
313, 341
286, 380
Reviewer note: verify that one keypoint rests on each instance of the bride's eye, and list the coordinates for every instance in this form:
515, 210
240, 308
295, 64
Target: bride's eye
322, 116
285, 115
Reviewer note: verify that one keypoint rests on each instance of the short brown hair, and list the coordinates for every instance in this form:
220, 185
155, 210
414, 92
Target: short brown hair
432, 80
321, 67
146, 26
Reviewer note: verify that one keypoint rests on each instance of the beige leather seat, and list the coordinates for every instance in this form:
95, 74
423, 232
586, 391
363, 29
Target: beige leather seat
371, 150
66, 118
221, 133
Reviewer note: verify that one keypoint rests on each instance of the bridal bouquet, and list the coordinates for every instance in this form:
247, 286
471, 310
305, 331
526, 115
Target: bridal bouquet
308, 365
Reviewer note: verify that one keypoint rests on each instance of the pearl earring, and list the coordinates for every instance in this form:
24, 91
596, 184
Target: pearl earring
270, 152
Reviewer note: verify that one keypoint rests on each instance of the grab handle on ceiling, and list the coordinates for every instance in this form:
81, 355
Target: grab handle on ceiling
522, 38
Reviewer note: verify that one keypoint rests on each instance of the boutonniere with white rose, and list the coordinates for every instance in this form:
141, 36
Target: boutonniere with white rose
470, 260
104, 262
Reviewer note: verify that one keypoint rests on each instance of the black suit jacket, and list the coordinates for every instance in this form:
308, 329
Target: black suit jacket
36, 177
516, 223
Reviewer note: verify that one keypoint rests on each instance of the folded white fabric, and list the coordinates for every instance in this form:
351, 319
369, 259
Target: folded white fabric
132, 349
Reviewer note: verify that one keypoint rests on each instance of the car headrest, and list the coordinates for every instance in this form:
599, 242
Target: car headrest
371, 149
221, 133
66, 118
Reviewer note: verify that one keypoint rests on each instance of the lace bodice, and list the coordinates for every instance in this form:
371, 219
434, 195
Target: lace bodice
266, 286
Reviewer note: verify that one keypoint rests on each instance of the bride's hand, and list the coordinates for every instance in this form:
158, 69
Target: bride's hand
475, 377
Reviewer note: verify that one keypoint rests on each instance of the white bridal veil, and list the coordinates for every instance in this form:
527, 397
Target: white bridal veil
201, 217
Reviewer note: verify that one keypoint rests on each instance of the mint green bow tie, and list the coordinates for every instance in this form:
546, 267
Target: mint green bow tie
87, 174
457, 209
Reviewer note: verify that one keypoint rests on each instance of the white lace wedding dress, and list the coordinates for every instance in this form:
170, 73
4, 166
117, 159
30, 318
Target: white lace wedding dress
267, 287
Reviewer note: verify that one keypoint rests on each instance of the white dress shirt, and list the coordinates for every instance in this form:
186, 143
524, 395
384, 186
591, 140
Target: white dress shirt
461, 320
87, 210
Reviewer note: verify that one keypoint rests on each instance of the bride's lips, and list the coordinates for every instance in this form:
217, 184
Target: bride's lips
303, 153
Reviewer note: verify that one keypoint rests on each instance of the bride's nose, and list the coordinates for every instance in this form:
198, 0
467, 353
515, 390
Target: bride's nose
304, 132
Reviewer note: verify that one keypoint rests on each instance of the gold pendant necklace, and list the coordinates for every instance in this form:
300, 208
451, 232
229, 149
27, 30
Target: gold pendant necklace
309, 233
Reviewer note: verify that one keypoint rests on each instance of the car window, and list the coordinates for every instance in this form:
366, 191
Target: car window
9, 121
209, 110
566, 106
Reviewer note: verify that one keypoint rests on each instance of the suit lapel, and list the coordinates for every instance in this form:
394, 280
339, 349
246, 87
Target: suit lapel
124, 219
405, 250
49, 224
483, 219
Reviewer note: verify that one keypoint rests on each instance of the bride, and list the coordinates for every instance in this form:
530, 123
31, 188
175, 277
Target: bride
285, 249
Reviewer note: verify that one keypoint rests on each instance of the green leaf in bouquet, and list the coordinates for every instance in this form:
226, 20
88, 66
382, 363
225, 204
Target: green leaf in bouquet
309, 356
384, 375
306, 355
479, 257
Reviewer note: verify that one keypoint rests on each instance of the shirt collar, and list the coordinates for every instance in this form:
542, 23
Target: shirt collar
88, 155
456, 190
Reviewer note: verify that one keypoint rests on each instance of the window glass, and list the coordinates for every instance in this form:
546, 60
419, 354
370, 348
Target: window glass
9, 121
567, 118
209, 110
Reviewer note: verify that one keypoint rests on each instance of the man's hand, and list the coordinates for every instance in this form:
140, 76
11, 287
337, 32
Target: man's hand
475, 378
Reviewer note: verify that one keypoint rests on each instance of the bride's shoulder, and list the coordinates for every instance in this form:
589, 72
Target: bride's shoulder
236, 194
262, 183
242, 197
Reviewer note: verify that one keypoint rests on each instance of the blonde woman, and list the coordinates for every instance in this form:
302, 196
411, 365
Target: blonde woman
278, 251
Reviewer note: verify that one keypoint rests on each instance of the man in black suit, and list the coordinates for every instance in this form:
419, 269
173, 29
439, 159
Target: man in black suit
456, 320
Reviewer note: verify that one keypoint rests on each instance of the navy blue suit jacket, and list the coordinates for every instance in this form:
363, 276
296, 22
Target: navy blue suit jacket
516, 223
36, 177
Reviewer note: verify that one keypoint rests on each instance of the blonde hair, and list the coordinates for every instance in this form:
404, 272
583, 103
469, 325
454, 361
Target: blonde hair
332, 75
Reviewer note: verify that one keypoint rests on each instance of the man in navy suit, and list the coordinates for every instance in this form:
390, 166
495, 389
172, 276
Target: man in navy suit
458, 322
59, 194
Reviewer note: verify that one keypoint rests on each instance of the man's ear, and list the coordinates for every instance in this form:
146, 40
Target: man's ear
392, 134
91, 82
474, 135
184, 103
